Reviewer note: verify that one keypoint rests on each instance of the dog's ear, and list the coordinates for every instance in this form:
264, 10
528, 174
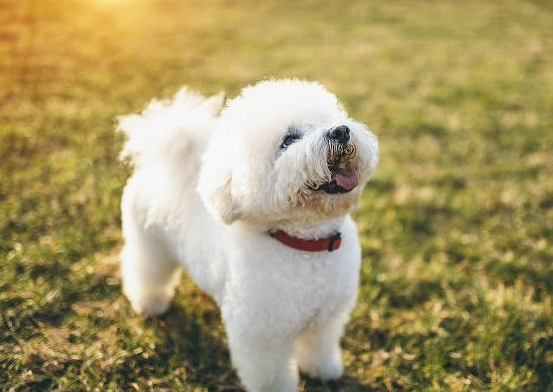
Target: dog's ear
215, 187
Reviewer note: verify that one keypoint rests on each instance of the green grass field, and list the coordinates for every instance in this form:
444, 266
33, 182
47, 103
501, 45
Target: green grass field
457, 226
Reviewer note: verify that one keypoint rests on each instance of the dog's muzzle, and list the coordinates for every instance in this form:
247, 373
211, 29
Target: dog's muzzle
343, 171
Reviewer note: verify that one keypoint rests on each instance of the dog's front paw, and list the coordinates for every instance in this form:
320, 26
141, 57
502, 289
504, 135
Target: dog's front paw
326, 368
152, 304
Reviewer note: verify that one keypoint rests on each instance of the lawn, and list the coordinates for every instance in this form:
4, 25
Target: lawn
456, 227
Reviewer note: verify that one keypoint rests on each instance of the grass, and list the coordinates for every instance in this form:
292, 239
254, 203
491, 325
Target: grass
456, 227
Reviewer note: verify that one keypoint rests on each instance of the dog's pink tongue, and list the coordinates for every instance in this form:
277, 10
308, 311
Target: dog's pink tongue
347, 179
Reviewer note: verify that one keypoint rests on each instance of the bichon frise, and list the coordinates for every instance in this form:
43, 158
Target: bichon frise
253, 201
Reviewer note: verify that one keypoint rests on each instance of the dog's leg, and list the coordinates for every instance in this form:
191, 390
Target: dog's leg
264, 365
149, 275
318, 350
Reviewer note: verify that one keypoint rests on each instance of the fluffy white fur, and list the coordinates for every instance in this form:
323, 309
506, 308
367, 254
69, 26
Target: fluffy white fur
209, 185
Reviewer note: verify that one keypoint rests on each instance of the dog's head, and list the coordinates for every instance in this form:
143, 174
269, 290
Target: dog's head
286, 151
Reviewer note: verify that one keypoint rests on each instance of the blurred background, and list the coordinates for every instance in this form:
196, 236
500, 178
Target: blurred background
456, 227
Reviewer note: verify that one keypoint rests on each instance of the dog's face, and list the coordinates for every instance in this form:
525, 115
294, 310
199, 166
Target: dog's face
286, 151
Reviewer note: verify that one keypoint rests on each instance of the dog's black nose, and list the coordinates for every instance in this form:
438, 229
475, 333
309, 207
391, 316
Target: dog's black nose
339, 134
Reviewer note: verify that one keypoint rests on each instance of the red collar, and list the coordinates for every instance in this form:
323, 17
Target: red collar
328, 243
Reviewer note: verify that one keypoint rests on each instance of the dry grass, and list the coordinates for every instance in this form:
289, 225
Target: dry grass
456, 227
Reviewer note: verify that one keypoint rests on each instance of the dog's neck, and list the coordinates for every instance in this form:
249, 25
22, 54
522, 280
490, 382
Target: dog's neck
308, 230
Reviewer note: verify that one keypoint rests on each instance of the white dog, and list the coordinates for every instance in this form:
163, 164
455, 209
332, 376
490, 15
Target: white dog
253, 201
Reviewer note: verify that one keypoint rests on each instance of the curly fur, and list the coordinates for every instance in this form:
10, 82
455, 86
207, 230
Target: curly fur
210, 183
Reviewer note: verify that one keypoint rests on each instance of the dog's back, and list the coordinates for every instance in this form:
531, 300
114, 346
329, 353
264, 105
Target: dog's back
171, 132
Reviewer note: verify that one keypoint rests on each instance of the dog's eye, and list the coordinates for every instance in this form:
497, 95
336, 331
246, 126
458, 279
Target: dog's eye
289, 139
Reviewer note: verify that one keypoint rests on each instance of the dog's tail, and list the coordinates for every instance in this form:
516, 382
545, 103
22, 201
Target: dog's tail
169, 131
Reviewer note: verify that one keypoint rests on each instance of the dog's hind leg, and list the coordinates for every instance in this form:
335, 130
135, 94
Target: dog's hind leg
149, 274
318, 350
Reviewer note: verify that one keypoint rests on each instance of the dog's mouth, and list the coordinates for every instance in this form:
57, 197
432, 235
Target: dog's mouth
342, 180
343, 173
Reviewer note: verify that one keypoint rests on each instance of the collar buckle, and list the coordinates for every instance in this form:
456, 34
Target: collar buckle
335, 242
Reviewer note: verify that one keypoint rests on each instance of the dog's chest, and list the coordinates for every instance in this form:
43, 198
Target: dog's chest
291, 293
319, 285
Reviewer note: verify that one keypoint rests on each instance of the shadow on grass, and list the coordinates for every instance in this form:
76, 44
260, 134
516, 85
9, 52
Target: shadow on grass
189, 342
345, 384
